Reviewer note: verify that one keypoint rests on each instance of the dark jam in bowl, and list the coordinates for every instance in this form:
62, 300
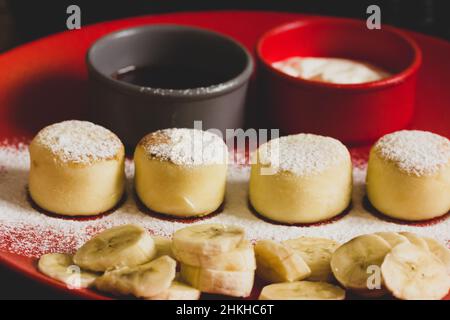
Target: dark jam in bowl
168, 77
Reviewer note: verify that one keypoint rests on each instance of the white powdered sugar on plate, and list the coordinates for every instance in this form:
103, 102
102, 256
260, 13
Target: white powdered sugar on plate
25, 231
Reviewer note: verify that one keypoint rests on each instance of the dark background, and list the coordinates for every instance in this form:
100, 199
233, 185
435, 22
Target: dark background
31, 19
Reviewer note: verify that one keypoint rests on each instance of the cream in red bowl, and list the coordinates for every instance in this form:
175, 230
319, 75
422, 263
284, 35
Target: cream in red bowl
331, 70
351, 112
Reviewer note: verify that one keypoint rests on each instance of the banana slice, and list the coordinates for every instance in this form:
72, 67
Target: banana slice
178, 291
350, 263
413, 273
143, 281
393, 238
302, 290
230, 283
127, 245
163, 247
277, 262
415, 239
440, 251
60, 266
240, 259
208, 238
316, 252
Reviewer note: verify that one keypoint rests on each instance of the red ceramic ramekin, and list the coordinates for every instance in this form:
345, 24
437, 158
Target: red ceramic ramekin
353, 113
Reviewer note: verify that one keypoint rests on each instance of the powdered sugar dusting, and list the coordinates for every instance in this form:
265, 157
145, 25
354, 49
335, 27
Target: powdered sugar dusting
187, 147
30, 233
415, 152
303, 154
79, 141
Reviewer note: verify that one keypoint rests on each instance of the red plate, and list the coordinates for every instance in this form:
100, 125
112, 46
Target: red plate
45, 81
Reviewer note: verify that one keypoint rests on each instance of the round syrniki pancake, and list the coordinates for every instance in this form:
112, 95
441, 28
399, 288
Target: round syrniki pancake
301, 178
181, 172
76, 168
408, 175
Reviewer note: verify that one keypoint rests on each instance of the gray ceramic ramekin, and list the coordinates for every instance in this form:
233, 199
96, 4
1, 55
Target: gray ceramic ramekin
132, 111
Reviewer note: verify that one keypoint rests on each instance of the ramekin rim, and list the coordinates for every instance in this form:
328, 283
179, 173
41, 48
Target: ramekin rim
199, 93
379, 84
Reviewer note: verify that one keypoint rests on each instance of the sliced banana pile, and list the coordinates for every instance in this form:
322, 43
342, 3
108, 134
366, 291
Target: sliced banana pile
413, 273
277, 262
403, 264
60, 267
352, 261
316, 252
215, 259
285, 264
302, 290
123, 246
124, 260
163, 247
142, 281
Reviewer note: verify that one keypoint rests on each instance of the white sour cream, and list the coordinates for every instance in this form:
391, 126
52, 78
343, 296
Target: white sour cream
332, 70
